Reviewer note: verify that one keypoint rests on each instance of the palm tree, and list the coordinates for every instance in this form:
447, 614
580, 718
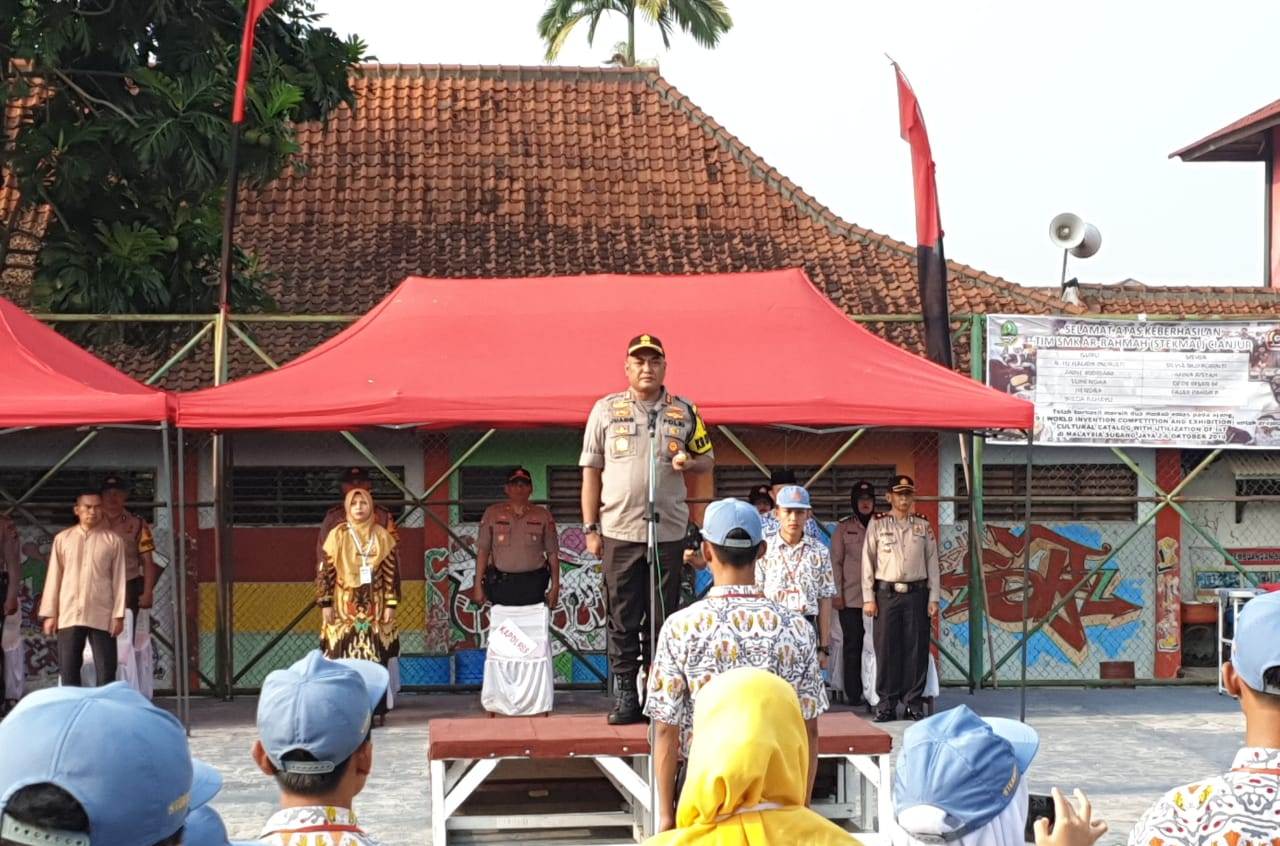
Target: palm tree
705, 20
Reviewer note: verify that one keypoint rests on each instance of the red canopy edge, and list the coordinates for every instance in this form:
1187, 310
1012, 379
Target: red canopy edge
748, 348
47, 380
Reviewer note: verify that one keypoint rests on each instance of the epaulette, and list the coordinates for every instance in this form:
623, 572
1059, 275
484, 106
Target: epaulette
916, 515
880, 515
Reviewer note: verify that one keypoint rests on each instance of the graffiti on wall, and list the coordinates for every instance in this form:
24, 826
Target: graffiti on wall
454, 622
1090, 616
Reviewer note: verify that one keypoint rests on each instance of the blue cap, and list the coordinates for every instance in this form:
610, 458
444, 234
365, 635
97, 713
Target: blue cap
1257, 641
123, 759
963, 764
204, 828
725, 515
318, 706
793, 496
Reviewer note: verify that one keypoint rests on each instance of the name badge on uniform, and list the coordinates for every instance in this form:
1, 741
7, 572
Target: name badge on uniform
366, 574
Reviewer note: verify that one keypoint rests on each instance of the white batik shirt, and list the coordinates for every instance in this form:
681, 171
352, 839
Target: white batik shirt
1238, 808
797, 576
315, 825
734, 626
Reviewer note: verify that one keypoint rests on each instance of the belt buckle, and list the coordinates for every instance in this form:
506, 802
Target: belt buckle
901, 587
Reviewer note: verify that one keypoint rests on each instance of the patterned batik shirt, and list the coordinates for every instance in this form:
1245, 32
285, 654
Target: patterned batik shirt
770, 526
798, 577
315, 825
734, 626
1239, 808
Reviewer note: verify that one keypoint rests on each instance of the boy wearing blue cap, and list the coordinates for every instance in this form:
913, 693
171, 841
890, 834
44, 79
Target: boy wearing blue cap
796, 569
736, 625
1239, 806
97, 767
314, 721
961, 779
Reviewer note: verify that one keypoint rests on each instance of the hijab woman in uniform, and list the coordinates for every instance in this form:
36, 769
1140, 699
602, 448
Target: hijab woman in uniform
358, 586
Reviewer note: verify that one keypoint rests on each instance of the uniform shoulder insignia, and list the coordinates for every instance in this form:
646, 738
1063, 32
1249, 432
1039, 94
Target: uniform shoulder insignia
880, 515
916, 515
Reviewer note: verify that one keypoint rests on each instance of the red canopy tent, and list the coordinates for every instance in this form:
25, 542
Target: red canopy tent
46, 380
749, 348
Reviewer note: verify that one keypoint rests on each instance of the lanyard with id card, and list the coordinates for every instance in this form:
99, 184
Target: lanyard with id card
365, 552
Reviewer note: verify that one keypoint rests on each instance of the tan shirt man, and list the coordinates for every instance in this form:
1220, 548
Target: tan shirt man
846, 560
616, 441
518, 543
137, 537
85, 582
900, 551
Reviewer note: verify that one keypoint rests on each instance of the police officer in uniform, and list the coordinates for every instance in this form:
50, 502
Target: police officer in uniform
517, 549
141, 572
901, 583
355, 477
615, 494
846, 562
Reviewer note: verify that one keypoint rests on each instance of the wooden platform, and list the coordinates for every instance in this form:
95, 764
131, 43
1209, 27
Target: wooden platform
464, 753
580, 735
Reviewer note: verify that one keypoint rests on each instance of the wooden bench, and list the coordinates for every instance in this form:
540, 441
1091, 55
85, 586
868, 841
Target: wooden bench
463, 753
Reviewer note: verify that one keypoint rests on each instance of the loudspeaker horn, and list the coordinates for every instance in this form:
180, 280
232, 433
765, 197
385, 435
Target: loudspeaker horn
1067, 231
1089, 244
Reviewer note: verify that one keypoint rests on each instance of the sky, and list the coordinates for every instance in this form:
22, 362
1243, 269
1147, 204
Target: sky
1032, 108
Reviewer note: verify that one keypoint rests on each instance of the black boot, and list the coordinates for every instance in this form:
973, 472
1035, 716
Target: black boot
626, 703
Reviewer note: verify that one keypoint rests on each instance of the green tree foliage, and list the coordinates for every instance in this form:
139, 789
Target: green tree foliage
704, 20
126, 138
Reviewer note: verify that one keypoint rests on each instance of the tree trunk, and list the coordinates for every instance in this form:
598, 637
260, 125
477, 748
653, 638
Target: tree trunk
631, 35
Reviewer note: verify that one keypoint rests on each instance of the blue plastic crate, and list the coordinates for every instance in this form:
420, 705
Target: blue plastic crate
424, 669
470, 666
582, 673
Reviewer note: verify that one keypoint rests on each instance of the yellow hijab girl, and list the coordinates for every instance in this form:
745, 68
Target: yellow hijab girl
748, 769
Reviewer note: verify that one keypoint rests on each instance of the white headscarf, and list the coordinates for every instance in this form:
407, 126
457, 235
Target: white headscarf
1007, 829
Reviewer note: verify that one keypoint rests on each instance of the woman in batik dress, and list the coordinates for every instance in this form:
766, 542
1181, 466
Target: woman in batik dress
358, 586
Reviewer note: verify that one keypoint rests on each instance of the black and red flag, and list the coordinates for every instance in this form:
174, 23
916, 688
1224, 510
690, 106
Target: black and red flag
931, 264
252, 13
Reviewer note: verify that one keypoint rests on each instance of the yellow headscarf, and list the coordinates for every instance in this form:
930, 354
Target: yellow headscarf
347, 539
748, 769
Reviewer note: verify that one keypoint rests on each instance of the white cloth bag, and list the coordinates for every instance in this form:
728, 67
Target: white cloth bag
518, 676
144, 660
15, 658
931, 686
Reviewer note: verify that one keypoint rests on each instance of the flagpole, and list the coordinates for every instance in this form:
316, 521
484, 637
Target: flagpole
220, 460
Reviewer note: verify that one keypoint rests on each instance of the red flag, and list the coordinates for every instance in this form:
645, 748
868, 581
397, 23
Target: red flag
254, 11
931, 263
911, 121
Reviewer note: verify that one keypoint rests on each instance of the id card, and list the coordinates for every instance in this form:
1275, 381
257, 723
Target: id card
366, 574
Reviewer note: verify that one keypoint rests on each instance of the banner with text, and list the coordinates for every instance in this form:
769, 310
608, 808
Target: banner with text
1140, 383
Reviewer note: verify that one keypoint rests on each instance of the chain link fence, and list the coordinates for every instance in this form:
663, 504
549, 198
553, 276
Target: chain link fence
1123, 577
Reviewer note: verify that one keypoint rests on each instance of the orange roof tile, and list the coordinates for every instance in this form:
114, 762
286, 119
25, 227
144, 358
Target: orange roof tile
513, 171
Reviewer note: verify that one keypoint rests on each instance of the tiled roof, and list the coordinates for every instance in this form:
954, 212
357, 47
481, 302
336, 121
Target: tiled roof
1240, 140
1134, 297
505, 171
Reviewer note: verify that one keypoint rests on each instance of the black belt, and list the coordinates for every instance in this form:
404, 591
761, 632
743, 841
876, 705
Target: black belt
902, 587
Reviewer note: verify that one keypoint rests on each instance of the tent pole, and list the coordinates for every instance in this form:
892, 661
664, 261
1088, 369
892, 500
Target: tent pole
462, 459
835, 456
742, 448
180, 621
1026, 576
221, 541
